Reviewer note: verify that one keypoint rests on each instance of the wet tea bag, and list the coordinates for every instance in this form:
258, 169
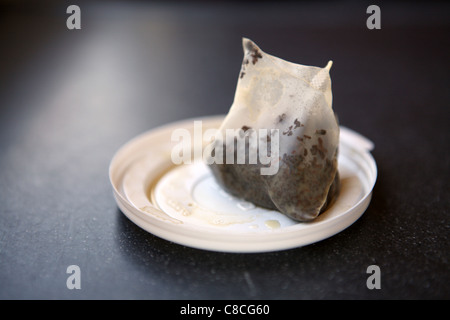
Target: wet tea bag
278, 145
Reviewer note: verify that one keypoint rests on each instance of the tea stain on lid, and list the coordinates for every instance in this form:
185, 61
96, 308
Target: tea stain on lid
245, 206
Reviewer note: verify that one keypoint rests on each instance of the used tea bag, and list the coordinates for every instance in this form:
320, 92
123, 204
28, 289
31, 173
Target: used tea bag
281, 111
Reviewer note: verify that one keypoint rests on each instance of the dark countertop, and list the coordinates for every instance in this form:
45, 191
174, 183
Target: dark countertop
70, 98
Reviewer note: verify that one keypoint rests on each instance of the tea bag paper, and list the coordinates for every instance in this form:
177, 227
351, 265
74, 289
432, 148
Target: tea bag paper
288, 108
